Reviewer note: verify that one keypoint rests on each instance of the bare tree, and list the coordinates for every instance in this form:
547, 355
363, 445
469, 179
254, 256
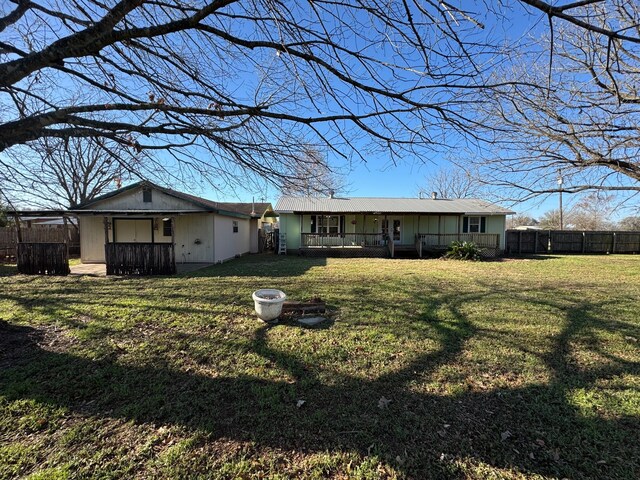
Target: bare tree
584, 127
312, 176
227, 87
452, 182
630, 224
594, 212
67, 172
521, 221
553, 220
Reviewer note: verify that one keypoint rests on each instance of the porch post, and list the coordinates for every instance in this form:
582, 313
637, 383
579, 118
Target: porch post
173, 243
16, 218
105, 221
66, 234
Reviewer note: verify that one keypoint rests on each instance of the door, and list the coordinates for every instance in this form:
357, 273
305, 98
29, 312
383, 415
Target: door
128, 230
392, 226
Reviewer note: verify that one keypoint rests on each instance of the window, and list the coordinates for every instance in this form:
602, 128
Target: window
327, 223
474, 225
167, 227
146, 195
235, 226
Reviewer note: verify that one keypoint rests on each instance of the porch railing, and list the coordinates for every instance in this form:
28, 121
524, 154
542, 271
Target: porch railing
140, 259
345, 240
443, 240
43, 258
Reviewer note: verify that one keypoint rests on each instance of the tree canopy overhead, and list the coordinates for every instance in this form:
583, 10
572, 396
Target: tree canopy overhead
246, 85
581, 132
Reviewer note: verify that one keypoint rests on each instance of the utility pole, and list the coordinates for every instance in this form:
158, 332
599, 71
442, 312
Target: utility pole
560, 193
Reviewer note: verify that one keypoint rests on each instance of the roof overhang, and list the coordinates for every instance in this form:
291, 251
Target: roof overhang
455, 214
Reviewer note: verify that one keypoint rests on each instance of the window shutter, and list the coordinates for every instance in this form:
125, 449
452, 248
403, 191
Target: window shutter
313, 224
483, 224
465, 225
341, 223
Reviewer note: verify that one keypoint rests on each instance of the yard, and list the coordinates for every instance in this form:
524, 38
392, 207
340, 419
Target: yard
524, 368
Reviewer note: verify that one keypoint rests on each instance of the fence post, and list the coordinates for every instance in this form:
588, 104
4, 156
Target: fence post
584, 242
519, 242
535, 243
613, 243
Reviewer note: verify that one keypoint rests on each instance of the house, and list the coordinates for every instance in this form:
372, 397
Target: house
158, 222
388, 226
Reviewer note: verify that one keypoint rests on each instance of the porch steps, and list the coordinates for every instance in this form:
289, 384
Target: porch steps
405, 251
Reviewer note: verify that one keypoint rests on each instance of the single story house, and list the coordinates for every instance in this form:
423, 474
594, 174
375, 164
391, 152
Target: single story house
182, 227
387, 226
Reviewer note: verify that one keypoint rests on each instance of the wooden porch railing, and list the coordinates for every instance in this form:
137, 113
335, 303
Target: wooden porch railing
43, 258
345, 240
140, 259
443, 240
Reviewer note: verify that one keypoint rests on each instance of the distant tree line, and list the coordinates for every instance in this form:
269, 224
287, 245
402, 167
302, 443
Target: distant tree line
593, 212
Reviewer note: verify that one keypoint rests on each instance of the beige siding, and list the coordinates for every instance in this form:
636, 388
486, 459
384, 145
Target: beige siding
194, 238
132, 200
229, 243
92, 239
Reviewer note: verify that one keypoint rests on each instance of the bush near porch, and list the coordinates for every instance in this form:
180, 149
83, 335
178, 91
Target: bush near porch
526, 368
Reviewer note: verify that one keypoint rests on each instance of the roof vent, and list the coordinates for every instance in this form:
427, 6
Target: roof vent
434, 195
331, 193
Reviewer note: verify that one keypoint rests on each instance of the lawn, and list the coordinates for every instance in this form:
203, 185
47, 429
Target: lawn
525, 368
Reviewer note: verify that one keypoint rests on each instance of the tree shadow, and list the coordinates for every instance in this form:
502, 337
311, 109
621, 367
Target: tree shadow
261, 265
534, 429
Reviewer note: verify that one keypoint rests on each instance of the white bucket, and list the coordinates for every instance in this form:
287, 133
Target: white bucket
268, 303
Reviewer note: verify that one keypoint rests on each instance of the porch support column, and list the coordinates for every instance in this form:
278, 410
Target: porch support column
105, 221
66, 234
173, 243
16, 218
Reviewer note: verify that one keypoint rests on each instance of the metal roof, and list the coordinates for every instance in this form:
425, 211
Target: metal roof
376, 205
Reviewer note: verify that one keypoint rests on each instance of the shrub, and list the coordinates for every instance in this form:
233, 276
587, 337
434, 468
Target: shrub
464, 251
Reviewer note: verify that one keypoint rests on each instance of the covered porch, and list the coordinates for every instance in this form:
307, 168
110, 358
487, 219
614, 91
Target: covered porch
139, 243
389, 234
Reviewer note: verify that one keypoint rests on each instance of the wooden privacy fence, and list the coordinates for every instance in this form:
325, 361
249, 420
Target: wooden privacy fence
43, 258
37, 234
140, 259
571, 241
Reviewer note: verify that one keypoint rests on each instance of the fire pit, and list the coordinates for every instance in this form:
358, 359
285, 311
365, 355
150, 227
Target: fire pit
268, 303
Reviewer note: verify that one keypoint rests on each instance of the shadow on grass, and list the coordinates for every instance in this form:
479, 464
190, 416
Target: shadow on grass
533, 429
261, 265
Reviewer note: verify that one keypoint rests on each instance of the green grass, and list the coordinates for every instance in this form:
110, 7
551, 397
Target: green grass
516, 369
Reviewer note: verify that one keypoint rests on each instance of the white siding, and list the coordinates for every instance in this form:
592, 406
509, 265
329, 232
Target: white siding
229, 244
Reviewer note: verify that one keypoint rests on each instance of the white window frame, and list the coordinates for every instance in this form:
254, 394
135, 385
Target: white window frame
323, 226
475, 224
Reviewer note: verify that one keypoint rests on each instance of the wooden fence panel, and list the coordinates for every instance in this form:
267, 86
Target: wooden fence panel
38, 234
626, 242
598, 242
140, 259
566, 241
527, 241
571, 242
43, 259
